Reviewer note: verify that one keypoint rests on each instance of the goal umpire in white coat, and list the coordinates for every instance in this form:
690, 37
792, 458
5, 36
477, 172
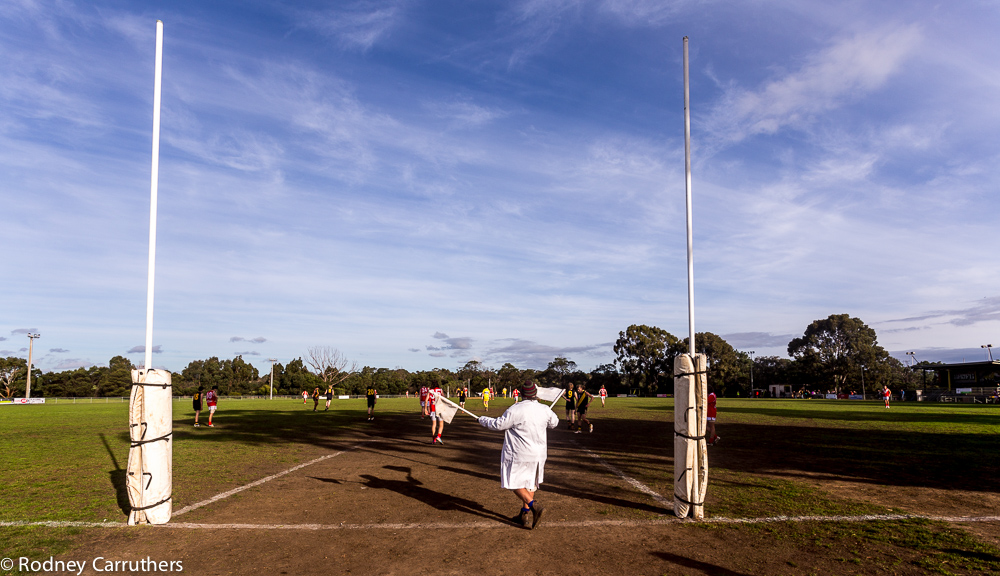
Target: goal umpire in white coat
522, 460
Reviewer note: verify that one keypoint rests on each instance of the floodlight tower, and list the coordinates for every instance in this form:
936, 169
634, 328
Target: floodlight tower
751, 352
31, 342
989, 349
913, 358
272, 361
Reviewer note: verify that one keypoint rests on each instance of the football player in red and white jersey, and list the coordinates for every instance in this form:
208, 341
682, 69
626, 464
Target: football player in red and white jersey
713, 438
424, 409
604, 394
516, 394
437, 421
212, 399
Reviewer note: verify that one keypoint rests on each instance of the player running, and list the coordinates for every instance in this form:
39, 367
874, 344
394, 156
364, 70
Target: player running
516, 394
212, 399
315, 398
437, 420
604, 395
372, 395
462, 394
486, 399
329, 397
583, 399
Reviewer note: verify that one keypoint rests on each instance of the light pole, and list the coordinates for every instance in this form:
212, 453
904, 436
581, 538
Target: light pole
913, 358
863, 383
989, 349
751, 352
31, 342
272, 361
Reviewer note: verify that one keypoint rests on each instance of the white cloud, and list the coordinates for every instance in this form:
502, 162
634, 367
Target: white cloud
357, 26
71, 364
844, 72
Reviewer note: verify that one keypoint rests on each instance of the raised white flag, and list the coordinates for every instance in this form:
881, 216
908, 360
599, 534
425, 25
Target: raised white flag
445, 408
549, 394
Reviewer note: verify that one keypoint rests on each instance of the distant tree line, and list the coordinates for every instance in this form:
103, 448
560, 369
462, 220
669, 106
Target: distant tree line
834, 353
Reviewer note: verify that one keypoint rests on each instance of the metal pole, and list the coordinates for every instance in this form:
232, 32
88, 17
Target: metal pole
154, 178
687, 187
31, 342
751, 373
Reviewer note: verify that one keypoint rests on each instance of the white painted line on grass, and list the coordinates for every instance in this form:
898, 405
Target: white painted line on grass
665, 520
635, 483
218, 497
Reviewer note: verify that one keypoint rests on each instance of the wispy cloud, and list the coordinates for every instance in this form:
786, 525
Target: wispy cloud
356, 26
987, 310
649, 12
71, 364
844, 72
58, 350
157, 349
250, 353
457, 346
465, 114
24, 331
257, 340
533, 355
742, 340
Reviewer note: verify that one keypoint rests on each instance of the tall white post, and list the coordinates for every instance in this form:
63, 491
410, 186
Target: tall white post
31, 346
272, 361
690, 453
687, 187
154, 179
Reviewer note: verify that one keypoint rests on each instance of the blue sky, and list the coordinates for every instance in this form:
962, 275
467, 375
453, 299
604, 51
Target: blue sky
423, 183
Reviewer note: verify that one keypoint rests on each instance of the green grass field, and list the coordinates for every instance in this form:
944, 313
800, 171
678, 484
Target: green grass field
64, 462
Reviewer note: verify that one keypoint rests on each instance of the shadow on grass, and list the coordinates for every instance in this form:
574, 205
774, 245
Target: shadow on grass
980, 556
413, 488
704, 567
117, 477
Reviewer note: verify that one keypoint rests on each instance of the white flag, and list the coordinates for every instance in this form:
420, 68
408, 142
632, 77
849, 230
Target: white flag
445, 409
549, 394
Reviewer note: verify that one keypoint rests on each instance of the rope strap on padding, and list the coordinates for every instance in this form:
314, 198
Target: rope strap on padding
695, 373
141, 442
702, 503
164, 501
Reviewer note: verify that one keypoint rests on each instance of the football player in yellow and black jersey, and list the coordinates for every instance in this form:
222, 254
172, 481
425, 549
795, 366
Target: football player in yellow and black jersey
570, 406
372, 397
197, 404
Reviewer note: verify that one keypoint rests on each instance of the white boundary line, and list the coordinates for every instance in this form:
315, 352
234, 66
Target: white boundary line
663, 521
218, 497
635, 483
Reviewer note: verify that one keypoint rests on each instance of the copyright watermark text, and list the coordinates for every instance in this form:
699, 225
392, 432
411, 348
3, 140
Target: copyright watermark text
99, 564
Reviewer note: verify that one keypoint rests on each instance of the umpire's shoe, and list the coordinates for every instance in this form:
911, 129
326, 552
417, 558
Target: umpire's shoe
536, 514
521, 519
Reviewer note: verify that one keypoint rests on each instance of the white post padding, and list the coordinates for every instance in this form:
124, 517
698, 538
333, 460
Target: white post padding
690, 444
150, 458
